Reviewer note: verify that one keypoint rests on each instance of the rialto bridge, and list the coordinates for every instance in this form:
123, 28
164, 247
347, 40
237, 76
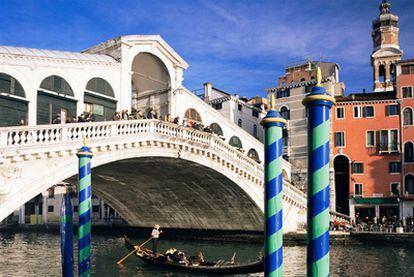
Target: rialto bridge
149, 171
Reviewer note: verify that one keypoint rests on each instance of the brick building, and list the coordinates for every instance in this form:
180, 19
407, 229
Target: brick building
373, 133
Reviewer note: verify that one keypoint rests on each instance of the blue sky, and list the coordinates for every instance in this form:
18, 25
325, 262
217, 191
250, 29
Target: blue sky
239, 46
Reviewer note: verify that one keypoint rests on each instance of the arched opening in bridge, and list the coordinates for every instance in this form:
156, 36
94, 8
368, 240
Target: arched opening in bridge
55, 101
252, 153
150, 85
13, 105
236, 142
174, 193
192, 115
216, 129
341, 166
409, 183
100, 99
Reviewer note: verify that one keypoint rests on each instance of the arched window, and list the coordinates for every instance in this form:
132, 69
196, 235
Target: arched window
409, 184
255, 130
381, 73
253, 155
10, 85
101, 86
240, 122
408, 117
408, 152
192, 114
56, 84
302, 80
285, 113
235, 142
293, 82
216, 129
392, 72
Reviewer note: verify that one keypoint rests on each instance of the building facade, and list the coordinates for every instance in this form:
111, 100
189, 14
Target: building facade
298, 80
373, 134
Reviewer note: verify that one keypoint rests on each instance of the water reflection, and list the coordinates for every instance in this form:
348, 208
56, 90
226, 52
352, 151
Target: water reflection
32, 254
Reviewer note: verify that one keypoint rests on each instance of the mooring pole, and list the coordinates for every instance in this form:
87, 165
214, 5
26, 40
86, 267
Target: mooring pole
318, 104
84, 211
66, 232
273, 258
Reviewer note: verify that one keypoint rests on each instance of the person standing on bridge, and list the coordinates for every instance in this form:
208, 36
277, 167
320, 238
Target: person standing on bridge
155, 234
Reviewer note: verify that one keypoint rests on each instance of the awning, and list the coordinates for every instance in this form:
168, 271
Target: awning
375, 200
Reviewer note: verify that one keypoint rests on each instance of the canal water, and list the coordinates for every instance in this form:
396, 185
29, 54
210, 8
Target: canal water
38, 254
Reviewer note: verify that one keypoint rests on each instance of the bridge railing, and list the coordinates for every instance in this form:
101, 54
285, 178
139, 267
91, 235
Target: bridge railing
26, 136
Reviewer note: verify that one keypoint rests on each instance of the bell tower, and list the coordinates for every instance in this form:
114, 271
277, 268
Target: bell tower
386, 48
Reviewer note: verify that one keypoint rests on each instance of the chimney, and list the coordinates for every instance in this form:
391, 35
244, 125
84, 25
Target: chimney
207, 91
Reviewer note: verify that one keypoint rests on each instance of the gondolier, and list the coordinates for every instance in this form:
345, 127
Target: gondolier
155, 234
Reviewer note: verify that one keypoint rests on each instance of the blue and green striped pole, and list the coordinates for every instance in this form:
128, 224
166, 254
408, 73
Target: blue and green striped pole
84, 211
273, 258
318, 104
66, 231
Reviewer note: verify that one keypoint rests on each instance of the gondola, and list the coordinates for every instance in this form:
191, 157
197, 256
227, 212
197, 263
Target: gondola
147, 256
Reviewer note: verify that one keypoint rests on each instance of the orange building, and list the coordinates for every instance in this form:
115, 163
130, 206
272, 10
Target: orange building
366, 153
373, 133
405, 87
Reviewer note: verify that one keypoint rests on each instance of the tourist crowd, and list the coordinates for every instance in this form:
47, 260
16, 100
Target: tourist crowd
134, 115
384, 224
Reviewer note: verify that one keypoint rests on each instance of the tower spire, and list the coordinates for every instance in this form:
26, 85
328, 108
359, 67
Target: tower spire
385, 7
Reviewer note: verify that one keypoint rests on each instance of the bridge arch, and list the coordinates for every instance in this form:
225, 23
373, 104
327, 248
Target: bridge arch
236, 142
193, 115
100, 99
55, 99
216, 129
150, 83
13, 103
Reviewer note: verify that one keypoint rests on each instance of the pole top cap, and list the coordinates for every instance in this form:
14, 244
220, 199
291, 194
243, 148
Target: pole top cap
273, 118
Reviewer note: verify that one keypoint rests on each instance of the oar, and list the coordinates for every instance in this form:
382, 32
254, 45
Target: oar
129, 254
232, 258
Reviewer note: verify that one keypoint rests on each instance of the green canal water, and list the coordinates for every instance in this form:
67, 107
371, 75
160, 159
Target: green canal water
38, 254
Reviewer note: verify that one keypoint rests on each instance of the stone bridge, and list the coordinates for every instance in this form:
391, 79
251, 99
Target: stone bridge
145, 169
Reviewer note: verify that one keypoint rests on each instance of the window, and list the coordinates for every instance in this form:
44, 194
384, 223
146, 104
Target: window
10, 85
217, 106
95, 208
101, 86
408, 117
392, 110
51, 192
255, 130
340, 139
368, 111
407, 92
395, 188
239, 122
358, 168
407, 69
57, 84
50, 209
283, 94
388, 140
255, 113
285, 113
358, 189
340, 113
239, 107
370, 139
75, 209
357, 112
395, 167
408, 152
409, 184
